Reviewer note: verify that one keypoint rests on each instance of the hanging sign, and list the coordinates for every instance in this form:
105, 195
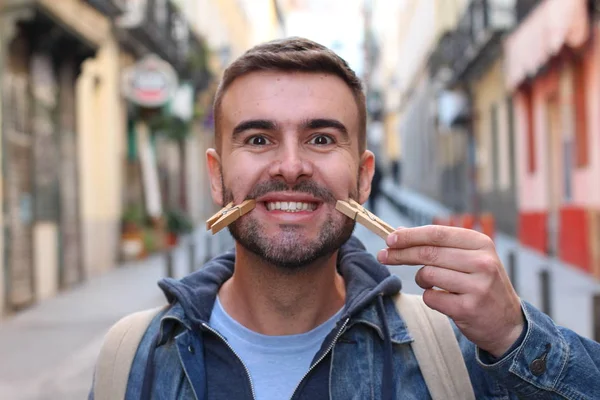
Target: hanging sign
151, 82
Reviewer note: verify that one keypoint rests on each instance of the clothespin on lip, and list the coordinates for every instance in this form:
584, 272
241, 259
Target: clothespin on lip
357, 212
229, 214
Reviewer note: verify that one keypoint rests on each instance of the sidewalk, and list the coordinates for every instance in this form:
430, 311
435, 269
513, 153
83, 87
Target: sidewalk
571, 291
49, 351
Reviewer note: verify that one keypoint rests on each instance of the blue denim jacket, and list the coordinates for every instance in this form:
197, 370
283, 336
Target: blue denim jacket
366, 356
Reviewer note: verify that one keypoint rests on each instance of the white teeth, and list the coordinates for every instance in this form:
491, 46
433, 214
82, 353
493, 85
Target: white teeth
293, 206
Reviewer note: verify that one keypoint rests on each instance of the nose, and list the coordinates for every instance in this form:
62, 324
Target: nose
291, 165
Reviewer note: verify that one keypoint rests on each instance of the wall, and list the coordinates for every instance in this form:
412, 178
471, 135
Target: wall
496, 189
4, 34
101, 127
421, 24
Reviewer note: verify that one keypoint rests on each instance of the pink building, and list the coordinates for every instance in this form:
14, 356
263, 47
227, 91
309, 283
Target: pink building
553, 68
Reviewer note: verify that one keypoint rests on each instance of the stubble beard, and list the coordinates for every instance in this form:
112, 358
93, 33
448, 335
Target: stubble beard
290, 249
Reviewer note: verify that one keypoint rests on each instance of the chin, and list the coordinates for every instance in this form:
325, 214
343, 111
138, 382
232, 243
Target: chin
289, 248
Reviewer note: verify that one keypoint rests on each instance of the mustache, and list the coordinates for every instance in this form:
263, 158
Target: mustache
309, 187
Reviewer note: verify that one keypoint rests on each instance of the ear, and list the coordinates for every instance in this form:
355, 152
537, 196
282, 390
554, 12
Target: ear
365, 175
213, 162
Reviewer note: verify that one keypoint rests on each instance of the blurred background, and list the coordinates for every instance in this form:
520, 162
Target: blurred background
482, 113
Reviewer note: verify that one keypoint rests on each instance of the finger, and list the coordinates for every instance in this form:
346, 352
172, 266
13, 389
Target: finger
429, 277
438, 235
445, 302
444, 257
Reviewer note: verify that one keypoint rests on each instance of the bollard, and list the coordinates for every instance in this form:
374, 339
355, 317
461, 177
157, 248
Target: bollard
170, 260
512, 269
192, 253
596, 317
546, 302
207, 248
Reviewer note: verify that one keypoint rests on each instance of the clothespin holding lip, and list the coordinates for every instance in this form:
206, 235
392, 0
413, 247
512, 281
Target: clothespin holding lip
357, 212
228, 214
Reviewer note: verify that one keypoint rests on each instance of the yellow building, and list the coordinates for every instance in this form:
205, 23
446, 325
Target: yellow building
61, 128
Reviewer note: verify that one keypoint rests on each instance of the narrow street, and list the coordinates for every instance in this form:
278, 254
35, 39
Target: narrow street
75, 321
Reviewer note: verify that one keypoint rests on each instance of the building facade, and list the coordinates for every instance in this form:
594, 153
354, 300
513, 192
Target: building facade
556, 89
45, 50
424, 152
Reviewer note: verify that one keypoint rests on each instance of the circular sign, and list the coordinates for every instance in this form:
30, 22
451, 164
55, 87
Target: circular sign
150, 83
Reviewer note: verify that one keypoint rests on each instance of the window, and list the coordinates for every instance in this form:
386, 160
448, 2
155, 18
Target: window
529, 111
495, 148
511, 142
580, 103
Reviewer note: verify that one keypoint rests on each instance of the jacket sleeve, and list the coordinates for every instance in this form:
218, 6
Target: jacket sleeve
552, 362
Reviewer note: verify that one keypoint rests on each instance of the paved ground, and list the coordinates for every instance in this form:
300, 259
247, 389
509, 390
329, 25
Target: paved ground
48, 352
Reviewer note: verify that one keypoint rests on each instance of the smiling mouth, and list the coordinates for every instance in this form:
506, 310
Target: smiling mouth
290, 206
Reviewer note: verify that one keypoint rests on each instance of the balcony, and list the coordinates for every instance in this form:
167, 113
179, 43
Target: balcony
156, 26
524, 7
110, 8
467, 51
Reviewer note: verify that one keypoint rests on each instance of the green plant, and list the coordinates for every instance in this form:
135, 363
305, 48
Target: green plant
170, 126
134, 215
150, 241
179, 222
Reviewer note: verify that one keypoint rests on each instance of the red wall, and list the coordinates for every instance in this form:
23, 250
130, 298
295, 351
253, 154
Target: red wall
532, 230
574, 237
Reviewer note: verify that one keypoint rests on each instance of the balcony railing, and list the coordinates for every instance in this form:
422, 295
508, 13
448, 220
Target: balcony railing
161, 27
111, 8
482, 21
524, 7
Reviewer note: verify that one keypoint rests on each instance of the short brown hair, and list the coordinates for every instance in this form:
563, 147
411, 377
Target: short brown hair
293, 54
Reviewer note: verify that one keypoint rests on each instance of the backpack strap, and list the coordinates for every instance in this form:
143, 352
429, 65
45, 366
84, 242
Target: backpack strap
436, 348
117, 354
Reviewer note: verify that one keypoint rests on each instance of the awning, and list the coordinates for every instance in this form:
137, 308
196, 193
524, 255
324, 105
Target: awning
550, 26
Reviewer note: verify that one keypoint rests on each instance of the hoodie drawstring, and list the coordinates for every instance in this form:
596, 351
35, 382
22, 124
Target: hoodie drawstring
387, 383
147, 383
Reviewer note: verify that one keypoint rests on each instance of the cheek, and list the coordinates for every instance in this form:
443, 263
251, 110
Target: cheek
241, 175
340, 177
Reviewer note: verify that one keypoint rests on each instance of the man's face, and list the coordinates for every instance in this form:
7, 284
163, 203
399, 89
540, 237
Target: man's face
290, 141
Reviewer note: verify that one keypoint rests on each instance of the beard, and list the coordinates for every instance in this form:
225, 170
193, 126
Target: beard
290, 249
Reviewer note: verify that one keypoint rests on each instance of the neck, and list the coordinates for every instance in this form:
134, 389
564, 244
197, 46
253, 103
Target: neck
273, 301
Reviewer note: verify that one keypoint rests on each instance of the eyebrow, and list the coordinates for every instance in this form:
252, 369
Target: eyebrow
259, 124
309, 124
320, 123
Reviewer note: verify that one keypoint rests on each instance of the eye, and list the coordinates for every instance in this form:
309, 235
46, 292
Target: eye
322, 140
258, 141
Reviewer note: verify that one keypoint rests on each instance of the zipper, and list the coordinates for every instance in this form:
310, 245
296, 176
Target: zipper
236, 354
335, 339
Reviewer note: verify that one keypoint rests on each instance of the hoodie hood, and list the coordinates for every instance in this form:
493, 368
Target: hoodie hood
364, 276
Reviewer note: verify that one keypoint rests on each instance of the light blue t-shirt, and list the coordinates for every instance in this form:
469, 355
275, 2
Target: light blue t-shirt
276, 363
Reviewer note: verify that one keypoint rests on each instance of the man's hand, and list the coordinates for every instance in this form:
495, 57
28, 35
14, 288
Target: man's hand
464, 279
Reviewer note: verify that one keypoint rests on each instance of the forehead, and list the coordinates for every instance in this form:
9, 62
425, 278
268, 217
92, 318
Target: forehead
289, 96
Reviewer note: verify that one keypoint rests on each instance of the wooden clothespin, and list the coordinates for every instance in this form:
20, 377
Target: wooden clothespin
228, 214
357, 212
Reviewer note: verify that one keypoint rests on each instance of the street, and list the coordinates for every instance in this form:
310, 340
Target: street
48, 352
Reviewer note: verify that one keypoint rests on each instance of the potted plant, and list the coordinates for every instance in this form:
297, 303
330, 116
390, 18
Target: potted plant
132, 221
178, 223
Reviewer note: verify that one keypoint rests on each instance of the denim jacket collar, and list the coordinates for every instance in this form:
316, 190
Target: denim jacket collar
193, 297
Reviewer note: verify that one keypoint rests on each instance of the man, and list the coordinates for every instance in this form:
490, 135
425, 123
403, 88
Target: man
299, 309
